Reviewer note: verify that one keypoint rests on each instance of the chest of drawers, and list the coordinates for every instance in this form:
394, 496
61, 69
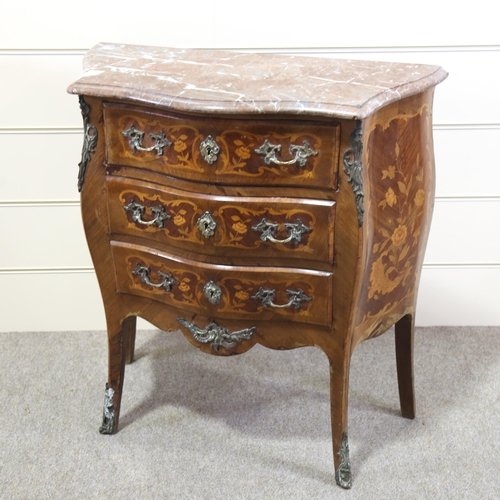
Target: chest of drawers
257, 198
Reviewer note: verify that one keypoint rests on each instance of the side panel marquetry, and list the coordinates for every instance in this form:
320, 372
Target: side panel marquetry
240, 294
400, 171
237, 222
224, 151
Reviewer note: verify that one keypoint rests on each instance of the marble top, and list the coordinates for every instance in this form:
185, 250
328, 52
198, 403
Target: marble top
205, 81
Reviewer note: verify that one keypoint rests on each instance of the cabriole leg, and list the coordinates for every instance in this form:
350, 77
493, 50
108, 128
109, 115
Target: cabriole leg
129, 327
339, 382
118, 353
404, 361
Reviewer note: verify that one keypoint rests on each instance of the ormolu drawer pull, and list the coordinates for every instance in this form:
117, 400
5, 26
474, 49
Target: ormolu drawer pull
138, 211
216, 335
301, 153
135, 140
144, 273
267, 297
267, 228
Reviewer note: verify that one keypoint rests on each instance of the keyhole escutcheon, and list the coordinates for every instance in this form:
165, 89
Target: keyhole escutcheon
212, 292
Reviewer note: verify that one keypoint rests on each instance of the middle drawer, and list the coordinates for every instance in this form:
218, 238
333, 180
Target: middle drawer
237, 226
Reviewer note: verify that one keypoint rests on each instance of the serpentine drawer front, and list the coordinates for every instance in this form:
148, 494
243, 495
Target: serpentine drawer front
238, 226
257, 199
253, 293
226, 151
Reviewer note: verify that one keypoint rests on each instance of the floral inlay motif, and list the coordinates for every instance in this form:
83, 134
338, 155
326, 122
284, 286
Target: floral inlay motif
240, 227
242, 151
396, 246
237, 155
234, 222
179, 144
237, 140
189, 289
179, 220
184, 285
239, 221
241, 295
399, 210
180, 225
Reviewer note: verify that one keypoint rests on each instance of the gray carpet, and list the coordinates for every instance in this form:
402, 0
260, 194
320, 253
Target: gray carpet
255, 426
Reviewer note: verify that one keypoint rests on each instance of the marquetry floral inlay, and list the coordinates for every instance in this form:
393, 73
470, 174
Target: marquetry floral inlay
239, 221
183, 215
238, 154
399, 206
236, 293
402, 210
242, 151
234, 222
239, 226
237, 148
184, 285
179, 144
179, 220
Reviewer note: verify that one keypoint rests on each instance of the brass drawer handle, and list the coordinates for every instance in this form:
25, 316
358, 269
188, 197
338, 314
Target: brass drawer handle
301, 153
167, 279
267, 228
267, 297
138, 211
135, 138
216, 335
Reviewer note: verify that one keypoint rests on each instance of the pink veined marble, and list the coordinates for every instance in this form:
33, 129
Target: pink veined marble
205, 81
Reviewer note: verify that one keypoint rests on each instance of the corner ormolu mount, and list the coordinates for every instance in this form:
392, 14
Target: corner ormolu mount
89, 141
353, 168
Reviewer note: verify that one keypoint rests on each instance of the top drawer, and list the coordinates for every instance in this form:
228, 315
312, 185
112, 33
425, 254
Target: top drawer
224, 151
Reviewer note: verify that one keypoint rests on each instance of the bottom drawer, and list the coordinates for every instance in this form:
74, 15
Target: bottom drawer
256, 293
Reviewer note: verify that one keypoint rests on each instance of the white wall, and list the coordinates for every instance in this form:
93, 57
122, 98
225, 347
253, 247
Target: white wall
46, 277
